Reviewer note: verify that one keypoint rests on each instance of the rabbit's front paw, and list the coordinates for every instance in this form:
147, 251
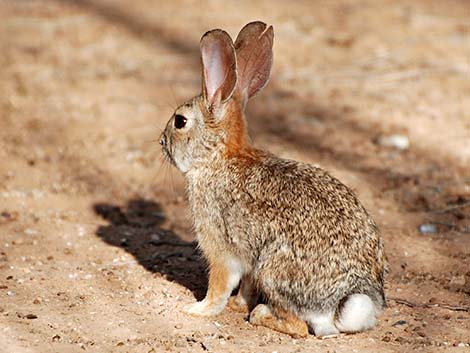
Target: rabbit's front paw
237, 303
203, 308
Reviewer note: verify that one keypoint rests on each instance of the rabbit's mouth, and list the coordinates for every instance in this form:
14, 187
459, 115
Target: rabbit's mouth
167, 156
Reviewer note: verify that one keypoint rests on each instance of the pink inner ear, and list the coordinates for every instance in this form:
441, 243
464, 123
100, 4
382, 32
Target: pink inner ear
213, 69
219, 66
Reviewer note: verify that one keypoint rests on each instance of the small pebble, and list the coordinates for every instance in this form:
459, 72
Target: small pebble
428, 228
5, 214
400, 142
31, 316
30, 231
155, 238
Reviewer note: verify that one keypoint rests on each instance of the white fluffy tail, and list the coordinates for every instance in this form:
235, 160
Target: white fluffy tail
358, 313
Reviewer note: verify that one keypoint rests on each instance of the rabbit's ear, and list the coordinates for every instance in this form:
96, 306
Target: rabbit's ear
254, 48
219, 67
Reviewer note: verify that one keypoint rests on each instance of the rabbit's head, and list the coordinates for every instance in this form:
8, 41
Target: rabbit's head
212, 124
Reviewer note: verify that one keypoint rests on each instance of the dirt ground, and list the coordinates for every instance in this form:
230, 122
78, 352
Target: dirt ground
96, 246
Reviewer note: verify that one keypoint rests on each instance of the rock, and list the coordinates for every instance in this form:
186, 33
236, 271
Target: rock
30, 231
7, 216
427, 228
399, 323
399, 142
155, 238
458, 281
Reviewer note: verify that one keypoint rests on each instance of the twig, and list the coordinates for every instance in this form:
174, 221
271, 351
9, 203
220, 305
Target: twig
451, 226
451, 208
384, 77
423, 305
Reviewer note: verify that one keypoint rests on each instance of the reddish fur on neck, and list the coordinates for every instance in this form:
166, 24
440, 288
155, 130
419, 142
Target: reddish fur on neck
238, 144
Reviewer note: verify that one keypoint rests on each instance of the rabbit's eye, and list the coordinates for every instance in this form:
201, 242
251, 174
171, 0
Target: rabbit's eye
180, 121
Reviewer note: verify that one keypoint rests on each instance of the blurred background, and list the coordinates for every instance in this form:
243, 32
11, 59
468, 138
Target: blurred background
376, 92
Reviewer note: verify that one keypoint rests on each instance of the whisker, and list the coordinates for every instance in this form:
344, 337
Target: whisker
165, 106
161, 169
173, 94
169, 105
172, 181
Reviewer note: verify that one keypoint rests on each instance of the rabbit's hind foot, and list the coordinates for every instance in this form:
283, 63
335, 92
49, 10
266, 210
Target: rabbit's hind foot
279, 320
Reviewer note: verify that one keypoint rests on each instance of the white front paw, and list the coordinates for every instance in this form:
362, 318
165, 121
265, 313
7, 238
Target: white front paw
203, 308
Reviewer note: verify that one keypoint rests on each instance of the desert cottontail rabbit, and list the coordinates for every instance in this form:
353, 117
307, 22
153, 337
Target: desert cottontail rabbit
286, 230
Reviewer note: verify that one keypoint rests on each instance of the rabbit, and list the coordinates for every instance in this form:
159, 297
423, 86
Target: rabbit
285, 230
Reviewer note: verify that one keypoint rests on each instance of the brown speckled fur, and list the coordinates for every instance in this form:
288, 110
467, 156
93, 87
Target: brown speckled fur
258, 208
303, 235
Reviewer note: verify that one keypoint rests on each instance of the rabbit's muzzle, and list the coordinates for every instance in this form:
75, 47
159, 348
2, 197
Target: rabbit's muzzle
162, 141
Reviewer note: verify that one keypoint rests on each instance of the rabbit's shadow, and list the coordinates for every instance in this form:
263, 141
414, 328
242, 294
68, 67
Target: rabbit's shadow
137, 229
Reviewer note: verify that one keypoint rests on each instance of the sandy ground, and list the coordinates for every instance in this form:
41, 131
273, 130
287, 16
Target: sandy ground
96, 247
